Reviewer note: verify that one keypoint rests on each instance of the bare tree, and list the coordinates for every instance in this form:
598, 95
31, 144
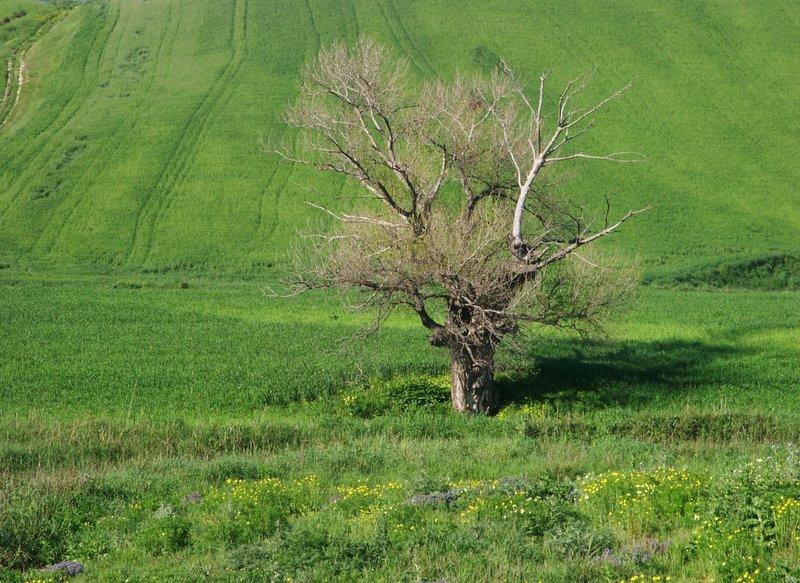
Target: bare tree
458, 222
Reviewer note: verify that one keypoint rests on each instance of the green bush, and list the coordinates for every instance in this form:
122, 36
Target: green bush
36, 527
243, 511
579, 540
395, 395
408, 392
166, 531
254, 562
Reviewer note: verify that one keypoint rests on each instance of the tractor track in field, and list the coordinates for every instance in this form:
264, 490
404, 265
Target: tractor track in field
278, 184
65, 210
170, 32
268, 224
260, 218
351, 10
403, 39
65, 114
9, 87
278, 198
396, 17
240, 55
396, 38
313, 22
48, 132
265, 228
184, 152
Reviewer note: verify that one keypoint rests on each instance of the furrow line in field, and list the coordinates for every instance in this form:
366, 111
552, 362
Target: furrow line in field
58, 221
278, 196
51, 132
115, 135
313, 23
418, 52
239, 42
49, 22
221, 102
178, 162
396, 38
351, 19
260, 217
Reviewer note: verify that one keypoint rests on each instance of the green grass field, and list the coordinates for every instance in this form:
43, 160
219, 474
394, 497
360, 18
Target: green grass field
163, 418
177, 430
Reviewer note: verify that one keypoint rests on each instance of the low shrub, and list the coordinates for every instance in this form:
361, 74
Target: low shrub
36, 527
255, 562
242, 511
166, 531
398, 394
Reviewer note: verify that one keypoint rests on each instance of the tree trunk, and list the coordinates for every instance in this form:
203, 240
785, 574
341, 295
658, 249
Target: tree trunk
472, 381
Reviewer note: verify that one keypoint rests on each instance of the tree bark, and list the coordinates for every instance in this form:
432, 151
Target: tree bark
472, 381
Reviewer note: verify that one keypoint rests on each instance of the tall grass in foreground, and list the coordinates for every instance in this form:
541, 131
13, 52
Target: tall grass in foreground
393, 504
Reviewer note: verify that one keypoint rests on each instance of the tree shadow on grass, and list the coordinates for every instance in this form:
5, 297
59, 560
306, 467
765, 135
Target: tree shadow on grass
571, 373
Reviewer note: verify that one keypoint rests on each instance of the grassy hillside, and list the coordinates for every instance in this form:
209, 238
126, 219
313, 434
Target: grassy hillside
136, 142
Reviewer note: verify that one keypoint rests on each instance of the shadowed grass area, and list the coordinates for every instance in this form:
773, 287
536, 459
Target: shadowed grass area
768, 273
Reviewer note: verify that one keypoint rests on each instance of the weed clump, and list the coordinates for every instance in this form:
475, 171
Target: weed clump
401, 394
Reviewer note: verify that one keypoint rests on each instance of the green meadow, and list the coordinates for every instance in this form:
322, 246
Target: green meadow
164, 416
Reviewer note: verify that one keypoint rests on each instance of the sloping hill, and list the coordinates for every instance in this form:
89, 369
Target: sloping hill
135, 144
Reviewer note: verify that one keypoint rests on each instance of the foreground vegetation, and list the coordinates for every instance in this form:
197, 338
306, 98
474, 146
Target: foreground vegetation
156, 428
737, 523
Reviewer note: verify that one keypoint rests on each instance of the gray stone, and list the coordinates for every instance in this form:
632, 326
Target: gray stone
66, 567
436, 498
